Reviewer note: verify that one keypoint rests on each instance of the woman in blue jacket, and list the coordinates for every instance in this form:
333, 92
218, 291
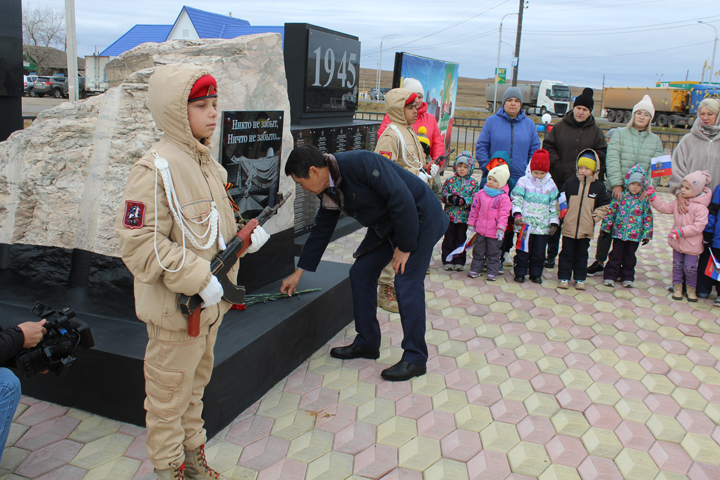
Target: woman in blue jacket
512, 131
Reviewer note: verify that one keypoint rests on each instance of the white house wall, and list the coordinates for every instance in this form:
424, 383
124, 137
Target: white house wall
183, 29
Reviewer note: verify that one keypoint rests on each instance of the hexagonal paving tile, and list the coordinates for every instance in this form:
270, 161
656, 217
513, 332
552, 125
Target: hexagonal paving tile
601, 443
636, 464
508, 411
568, 451
528, 459
516, 389
396, 431
536, 429
499, 436
419, 453
569, 422
489, 464
701, 448
633, 410
541, 404
461, 445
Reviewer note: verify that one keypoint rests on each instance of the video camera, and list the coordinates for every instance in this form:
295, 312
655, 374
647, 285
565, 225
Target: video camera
54, 353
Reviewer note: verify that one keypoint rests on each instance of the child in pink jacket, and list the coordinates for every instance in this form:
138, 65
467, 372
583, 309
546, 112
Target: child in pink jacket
686, 238
488, 217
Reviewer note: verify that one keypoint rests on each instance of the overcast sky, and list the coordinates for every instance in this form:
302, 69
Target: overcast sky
631, 42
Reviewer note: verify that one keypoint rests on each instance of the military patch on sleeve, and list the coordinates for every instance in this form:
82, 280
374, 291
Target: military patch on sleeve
387, 155
134, 214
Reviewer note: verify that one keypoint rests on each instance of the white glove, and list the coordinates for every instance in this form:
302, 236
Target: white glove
212, 294
500, 234
258, 238
423, 176
434, 170
470, 231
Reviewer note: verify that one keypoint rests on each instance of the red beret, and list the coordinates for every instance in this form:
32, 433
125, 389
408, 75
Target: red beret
411, 98
205, 86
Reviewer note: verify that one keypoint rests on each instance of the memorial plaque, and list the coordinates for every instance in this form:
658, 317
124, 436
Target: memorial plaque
328, 140
251, 151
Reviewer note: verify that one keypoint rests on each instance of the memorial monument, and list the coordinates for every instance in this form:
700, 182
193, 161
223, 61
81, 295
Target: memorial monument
61, 181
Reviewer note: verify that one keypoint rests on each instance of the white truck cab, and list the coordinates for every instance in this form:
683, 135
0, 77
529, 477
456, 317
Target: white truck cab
553, 98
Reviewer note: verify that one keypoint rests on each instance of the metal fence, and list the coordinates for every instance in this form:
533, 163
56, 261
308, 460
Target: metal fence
465, 132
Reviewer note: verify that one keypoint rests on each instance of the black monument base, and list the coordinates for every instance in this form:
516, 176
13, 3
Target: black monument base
256, 348
345, 226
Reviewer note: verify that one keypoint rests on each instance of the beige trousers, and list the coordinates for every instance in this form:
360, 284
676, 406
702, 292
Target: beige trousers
176, 373
387, 276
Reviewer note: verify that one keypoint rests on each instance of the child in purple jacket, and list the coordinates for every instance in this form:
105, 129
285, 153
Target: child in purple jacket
488, 217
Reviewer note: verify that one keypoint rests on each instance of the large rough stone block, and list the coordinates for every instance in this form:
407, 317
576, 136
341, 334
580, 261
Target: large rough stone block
62, 178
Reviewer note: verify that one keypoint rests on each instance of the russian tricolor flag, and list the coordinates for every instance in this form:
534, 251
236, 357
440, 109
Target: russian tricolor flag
469, 243
523, 240
562, 205
713, 267
661, 166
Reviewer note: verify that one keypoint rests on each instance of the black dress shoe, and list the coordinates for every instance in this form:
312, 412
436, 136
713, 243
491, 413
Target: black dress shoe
520, 278
402, 371
352, 351
535, 279
549, 264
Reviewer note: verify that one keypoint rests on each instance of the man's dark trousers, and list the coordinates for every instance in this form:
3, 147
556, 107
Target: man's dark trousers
573, 259
410, 288
534, 260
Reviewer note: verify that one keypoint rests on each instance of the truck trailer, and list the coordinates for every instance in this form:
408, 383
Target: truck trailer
95, 79
671, 104
548, 96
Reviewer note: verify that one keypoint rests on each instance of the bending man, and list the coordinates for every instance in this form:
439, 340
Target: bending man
404, 221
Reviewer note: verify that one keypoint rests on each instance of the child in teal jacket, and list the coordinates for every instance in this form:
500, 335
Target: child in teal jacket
629, 223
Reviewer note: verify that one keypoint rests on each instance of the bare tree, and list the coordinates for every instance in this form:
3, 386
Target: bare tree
43, 26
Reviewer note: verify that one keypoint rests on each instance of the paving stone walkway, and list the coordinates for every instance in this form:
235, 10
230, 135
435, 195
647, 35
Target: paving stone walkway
524, 381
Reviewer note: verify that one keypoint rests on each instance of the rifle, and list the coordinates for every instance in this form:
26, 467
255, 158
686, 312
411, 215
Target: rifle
221, 265
440, 162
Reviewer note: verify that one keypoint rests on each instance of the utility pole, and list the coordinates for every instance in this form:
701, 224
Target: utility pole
517, 43
71, 43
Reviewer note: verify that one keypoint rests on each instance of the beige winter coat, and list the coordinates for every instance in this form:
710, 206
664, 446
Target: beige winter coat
198, 180
389, 143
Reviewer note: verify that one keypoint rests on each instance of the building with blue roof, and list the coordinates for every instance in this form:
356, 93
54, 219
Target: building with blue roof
190, 24
137, 35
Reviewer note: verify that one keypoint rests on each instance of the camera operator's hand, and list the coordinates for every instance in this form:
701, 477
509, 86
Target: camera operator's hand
33, 332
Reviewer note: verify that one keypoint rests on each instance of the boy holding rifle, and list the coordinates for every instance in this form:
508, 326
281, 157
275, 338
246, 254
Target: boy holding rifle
174, 218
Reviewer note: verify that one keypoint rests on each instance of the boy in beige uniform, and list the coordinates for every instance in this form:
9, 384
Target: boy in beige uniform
168, 246
400, 144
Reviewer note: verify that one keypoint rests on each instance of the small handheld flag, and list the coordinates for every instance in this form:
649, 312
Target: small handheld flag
713, 267
562, 205
661, 166
467, 245
523, 242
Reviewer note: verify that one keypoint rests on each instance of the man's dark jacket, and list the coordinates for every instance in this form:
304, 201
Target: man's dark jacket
393, 203
565, 142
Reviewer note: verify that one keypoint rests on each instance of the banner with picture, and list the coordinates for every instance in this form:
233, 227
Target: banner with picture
440, 82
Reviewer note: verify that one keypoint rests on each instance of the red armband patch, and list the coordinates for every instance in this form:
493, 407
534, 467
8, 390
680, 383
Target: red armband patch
134, 214
387, 155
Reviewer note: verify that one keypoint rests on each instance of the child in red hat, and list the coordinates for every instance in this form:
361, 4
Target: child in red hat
534, 201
